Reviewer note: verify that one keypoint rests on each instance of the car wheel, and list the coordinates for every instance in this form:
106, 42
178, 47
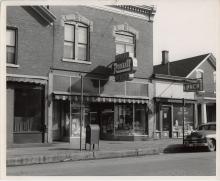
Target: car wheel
211, 145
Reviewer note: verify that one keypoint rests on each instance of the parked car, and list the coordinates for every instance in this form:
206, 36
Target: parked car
203, 136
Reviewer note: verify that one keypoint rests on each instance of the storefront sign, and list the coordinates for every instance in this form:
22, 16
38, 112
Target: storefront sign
124, 67
192, 87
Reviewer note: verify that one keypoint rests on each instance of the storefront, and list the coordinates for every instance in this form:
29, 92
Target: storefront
25, 110
119, 108
169, 117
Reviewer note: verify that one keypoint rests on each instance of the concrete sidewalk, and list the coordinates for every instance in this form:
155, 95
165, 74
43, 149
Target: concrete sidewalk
25, 154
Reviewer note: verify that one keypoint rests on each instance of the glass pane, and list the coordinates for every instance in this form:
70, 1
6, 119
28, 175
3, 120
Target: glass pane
124, 38
90, 86
10, 37
136, 89
107, 119
61, 83
82, 52
178, 118
11, 55
82, 35
140, 119
76, 85
28, 110
69, 32
124, 121
120, 48
112, 88
130, 49
68, 51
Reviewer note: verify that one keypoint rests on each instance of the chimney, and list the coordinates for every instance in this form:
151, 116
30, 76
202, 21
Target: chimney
165, 60
165, 57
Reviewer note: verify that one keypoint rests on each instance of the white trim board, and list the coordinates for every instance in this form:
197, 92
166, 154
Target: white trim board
27, 76
198, 65
118, 11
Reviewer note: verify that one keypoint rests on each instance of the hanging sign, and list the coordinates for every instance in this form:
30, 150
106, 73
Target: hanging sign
124, 67
193, 86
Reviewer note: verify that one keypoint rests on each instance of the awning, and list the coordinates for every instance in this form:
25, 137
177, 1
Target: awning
26, 80
76, 98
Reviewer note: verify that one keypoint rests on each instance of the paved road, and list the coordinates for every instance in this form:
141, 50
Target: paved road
180, 164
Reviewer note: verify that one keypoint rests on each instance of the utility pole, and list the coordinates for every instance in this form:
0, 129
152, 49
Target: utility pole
81, 112
183, 118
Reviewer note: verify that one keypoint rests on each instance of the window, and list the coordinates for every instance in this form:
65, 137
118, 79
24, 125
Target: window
11, 43
76, 40
125, 42
214, 77
199, 74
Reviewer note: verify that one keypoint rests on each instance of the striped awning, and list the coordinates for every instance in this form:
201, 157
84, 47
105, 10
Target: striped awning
77, 98
26, 80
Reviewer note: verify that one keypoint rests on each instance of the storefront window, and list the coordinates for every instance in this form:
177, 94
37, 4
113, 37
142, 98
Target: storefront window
28, 110
140, 119
178, 118
107, 117
124, 121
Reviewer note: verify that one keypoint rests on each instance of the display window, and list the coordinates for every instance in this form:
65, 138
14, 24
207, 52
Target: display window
178, 118
28, 114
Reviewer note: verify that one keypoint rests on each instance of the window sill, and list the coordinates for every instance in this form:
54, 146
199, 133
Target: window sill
12, 65
76, 61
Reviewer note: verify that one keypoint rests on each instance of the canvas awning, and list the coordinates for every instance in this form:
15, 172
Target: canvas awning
87, 98
26, 80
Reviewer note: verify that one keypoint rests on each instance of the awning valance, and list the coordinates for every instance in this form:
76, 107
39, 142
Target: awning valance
26, 80
87, 98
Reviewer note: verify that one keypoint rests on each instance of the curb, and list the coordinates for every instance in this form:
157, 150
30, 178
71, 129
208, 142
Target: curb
21, 161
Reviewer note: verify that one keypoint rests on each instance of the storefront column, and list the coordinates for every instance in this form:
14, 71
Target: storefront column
195, 115
50, 109
204, 113
10, 116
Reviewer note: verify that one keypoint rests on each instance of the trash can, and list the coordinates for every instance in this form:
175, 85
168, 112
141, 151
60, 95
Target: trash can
92, 135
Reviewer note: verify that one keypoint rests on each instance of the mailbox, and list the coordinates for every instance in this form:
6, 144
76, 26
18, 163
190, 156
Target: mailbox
92, 135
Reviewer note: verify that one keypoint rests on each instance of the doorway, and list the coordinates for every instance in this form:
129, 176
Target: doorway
166, 120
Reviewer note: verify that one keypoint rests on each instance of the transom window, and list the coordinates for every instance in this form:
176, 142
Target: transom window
125, 42
11, 38
76, 38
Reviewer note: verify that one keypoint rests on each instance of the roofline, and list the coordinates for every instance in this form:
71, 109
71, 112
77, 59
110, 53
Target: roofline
121, 11
172, 78
209, 55
47, 15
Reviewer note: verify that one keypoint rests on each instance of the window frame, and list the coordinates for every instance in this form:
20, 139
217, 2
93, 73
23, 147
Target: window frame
128, 34
15, 64
76, 59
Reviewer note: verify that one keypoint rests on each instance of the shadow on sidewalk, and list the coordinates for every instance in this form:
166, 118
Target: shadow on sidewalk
180, 148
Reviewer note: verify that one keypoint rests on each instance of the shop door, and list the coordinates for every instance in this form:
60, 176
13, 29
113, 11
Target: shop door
166, 120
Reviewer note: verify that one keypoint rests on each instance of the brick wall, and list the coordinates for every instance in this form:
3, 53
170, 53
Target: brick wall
34, 42
102, 42
208, 80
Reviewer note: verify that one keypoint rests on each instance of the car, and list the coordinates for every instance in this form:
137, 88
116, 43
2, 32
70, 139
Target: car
203, 136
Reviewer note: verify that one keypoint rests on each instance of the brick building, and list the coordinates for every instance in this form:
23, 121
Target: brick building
54, 54
199, 106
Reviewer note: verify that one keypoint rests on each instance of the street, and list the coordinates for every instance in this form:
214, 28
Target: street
179, 164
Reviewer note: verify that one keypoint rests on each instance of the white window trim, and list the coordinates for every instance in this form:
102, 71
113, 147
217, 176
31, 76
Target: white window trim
127, 28
12, 65
201, 71
76, 61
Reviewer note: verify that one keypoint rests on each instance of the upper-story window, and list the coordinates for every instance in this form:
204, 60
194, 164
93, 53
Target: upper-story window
214, 77
11, 43
199, 74
76, 41
125, 42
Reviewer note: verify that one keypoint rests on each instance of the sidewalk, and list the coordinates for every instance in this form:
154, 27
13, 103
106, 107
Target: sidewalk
25, 154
